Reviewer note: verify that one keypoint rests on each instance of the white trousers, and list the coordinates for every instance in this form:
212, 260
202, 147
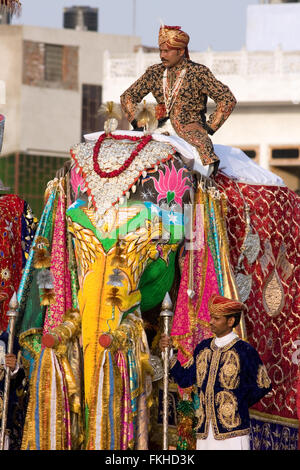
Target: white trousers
232, 443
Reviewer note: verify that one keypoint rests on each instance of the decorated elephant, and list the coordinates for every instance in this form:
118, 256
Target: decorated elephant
105, 254
125, 223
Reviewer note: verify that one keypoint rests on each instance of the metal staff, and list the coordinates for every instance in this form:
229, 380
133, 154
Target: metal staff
12, 315
166, 313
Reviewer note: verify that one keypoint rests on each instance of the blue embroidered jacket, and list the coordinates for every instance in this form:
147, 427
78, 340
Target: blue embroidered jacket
229, 380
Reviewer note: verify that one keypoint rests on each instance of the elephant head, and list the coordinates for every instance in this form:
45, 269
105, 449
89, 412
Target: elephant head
126, 255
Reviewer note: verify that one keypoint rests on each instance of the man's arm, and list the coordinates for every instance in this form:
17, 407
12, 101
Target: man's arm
222, 96
259, 383
134, 95
184, 376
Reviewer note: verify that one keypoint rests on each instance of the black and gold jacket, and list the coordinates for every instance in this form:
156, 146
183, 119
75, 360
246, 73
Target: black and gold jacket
229, 380
188, 112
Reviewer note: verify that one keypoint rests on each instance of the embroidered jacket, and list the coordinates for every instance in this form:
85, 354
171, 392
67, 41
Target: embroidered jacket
188, 112
229, 381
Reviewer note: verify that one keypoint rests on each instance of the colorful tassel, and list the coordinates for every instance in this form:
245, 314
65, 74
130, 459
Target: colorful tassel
48, 297
42, 258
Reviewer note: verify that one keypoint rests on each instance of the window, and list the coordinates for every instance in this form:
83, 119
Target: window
53, 63
91, 102
50, 65
288, 156
285, 153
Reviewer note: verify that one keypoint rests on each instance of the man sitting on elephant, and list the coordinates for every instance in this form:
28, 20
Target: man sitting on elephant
181, 88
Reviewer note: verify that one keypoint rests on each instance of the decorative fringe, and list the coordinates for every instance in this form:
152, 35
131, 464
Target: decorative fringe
47, 297
113, 298
42, 258
145, 115
45, 279
110, 110
119, 258
47, 425
104, 416
185, 428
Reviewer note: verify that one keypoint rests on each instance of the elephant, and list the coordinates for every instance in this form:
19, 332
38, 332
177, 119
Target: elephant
115, 224
125, 235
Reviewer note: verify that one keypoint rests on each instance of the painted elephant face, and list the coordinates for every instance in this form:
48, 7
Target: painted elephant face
126, 256
143, 229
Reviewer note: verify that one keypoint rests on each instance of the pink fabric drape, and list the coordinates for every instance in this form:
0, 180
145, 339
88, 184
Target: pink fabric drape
59, 269
126, 412
191, 317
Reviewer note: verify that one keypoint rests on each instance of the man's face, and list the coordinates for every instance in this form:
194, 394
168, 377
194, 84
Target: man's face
170, 57
221, 325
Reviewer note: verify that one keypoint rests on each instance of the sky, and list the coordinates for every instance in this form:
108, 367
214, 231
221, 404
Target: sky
218, 24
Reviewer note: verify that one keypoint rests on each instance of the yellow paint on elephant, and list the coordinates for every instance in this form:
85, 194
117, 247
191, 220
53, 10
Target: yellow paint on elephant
108, 284
99, 313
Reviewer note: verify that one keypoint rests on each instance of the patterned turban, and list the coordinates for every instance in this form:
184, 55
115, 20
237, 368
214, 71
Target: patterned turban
174, 38
219, 305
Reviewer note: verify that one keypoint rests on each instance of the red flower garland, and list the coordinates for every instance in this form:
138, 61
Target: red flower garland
112, 174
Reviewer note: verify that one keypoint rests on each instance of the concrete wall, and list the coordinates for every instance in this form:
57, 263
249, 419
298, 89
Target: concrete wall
261, 127
91, 46
43, 119
269, 26
11, 74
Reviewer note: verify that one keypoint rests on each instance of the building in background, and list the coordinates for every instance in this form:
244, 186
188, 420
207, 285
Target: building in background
265, 78
81, 18
54, 81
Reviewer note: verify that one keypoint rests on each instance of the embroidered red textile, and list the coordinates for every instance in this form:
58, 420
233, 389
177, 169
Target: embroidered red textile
272, 319
11, 210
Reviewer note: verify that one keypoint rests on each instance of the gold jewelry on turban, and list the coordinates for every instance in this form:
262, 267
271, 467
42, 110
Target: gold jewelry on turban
173, 38
221, 306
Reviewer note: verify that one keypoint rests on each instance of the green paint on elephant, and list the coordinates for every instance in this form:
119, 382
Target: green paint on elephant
156, 281
170, 196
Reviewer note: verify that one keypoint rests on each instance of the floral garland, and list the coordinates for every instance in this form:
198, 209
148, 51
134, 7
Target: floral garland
112, 174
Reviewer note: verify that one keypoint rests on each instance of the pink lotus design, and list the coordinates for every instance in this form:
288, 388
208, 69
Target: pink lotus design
77, 182
171, 185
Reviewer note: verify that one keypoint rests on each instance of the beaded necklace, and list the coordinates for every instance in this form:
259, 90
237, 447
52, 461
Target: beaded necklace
170, 93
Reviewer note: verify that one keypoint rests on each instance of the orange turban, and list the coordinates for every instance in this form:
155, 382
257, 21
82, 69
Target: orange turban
174, 38
219, 305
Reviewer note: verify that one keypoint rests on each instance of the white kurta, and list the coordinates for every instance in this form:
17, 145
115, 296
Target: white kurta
233, 443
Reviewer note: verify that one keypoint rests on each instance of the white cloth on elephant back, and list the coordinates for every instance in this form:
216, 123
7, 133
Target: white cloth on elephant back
234, 163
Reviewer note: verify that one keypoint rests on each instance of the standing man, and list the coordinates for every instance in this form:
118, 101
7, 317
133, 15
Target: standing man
229, 376
181, 88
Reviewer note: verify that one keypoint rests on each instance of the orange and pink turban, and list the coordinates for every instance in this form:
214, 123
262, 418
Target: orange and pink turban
221, 306
174, 38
